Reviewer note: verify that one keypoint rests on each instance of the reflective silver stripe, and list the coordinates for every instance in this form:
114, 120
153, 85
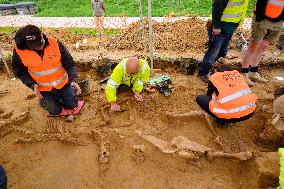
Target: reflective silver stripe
140, 82
235, 4
144, 67
234, 110
47, 72
123, 64
112, 84
234, 96
232, 15
276, 2
54, 83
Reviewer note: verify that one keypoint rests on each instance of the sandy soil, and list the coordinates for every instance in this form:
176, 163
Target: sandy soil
101, 149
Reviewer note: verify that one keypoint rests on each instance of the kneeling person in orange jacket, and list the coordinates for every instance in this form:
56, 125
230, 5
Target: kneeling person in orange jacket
229, 98
44, 64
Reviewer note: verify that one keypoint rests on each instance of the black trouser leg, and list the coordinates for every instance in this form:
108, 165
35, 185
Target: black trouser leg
203, 101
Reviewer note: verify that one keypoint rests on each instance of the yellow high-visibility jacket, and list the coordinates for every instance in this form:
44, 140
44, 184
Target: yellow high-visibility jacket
281, 176
235, 11
120, 76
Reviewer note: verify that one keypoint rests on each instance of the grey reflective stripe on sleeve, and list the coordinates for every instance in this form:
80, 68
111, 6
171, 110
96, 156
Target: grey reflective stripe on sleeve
112, 84
54, 83
234, 96
234, 110
235, 4
144, 67
140, 82
47, 72
123, 64
276, 2
232, 15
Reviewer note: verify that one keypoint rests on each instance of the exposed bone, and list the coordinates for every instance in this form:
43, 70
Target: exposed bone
100, 138
183, 143
191, 150
188, 154
164, 146
241, 156
186, 115
275, 118
200, 113
20, 119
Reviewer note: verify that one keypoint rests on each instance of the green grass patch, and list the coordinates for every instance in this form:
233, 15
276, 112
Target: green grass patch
91, 32
75, 31
8, 30
81, 8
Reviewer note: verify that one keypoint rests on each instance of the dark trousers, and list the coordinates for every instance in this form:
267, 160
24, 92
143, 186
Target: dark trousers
203, 102
217, 47
3, 178
54, 100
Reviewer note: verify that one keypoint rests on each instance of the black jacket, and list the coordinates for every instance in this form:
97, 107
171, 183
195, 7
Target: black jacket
211, 90
218, 7
21, 71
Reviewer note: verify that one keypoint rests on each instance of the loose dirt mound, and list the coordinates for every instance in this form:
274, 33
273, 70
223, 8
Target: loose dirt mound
189, 34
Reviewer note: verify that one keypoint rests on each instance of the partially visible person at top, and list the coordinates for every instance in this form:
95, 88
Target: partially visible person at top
44, 64
227, 15
98, 13
267, 24
3, 178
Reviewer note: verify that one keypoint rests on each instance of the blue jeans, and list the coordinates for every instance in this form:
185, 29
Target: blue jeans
54, 100
217, 47
3, 178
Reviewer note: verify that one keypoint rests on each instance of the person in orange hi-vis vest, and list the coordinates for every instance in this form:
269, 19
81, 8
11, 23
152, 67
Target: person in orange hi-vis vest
267, 25
44, 64
229, 99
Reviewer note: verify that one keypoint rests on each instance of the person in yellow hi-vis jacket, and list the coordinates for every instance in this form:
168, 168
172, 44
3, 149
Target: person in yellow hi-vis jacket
131, 72
281, 177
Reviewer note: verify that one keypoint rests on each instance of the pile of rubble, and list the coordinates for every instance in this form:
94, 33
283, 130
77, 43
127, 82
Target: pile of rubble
182, 35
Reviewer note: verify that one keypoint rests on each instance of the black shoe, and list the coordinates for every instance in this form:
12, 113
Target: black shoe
204, 78
223, 124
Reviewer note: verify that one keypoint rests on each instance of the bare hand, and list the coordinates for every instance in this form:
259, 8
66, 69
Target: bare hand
138, 97
37, 92
115, 107
216, 31
77, 87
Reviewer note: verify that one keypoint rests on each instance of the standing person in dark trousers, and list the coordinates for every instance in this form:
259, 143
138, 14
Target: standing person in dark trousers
3, 178
229, 98
227, 15
267, 25
44, 64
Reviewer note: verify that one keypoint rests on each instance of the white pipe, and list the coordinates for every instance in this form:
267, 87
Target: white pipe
142, 28
150, 35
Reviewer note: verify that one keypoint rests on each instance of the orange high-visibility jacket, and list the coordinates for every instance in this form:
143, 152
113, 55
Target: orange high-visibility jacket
274, 8
235, 99
47, 71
